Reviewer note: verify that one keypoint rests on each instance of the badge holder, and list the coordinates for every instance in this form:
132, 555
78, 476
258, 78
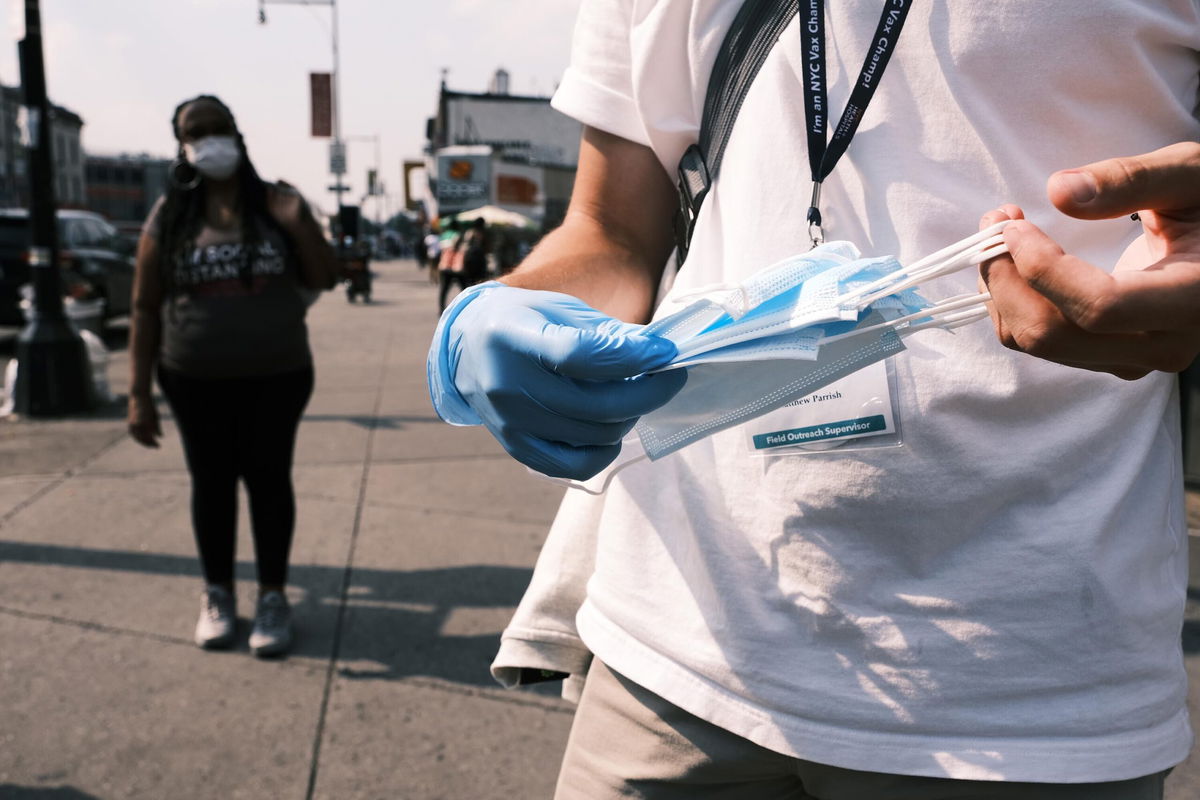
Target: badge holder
854, 414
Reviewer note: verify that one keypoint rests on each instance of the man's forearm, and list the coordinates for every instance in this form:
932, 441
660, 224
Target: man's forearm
581, 259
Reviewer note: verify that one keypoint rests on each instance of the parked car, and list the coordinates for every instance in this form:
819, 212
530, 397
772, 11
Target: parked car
95, 259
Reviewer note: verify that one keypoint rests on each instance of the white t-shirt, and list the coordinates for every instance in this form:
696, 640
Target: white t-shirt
1001, 597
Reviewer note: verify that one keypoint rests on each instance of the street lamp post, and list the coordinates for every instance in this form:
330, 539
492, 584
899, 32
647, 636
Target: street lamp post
378, 176
53, 373
338, 169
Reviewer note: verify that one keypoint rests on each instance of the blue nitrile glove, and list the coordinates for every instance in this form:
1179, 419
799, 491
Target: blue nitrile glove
558, 383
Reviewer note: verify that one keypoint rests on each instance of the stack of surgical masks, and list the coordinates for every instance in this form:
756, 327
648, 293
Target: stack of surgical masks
797, 326
790, 330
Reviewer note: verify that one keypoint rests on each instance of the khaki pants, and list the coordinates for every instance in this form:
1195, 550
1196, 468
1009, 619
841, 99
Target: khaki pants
628, 742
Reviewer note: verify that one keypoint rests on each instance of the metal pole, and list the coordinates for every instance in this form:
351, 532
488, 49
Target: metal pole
53, 373
335, 102
337, 123
378, 192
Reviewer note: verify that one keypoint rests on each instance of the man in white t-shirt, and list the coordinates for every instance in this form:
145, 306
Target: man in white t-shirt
990, 608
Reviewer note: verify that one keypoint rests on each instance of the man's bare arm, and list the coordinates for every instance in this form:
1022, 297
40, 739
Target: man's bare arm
611, 248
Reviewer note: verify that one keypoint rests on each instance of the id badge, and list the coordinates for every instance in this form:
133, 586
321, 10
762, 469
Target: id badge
854, 413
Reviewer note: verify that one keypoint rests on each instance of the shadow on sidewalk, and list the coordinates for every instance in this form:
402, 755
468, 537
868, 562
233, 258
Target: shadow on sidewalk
386, 422
396, 620
10, 791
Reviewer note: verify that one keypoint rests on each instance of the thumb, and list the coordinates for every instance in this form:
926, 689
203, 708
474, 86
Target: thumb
598, 354
1163, 180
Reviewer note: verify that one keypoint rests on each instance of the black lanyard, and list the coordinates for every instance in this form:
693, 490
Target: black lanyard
822, 156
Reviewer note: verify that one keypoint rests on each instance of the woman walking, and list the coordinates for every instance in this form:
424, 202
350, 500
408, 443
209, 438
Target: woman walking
227, 265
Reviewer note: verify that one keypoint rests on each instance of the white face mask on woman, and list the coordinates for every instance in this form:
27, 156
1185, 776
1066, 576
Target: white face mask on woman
215, 157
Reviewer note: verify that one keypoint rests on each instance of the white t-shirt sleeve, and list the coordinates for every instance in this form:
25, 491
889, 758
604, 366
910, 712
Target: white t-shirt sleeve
597, 88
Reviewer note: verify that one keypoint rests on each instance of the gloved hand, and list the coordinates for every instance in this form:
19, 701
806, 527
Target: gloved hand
558, 383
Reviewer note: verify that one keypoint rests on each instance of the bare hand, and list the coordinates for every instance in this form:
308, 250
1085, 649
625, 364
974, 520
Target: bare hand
1140, 318
286, 206
143, 421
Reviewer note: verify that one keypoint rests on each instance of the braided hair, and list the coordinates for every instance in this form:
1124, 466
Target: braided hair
183, 208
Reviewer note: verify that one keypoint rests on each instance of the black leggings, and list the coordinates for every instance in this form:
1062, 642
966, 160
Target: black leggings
446, 278
240, 428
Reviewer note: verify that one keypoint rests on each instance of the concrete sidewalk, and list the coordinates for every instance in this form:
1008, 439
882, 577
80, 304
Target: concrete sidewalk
414, 543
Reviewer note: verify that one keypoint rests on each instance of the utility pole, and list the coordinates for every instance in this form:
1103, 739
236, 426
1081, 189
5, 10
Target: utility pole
337, 145
53, 373
377, 192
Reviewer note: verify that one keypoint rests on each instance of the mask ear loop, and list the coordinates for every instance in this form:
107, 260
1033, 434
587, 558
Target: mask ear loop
598, 484
950, 321
991, 247
948, 258
588, 486
933, 313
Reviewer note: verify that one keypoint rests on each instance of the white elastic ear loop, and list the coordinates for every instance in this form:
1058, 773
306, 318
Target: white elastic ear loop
987, 249
631, 453
934, 312
950, 321
948, 258
992, 246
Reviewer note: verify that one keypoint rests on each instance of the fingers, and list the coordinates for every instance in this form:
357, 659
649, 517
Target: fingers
593, 354
556, 459
1162, 297
1057, 307
1167, 179
551, 405
1006, 211
529, 414
614, 401
144, 435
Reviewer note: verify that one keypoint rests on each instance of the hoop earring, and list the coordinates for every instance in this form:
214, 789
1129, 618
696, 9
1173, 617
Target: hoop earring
178, 182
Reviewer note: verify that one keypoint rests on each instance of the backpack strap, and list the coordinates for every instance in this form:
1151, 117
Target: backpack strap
753, 34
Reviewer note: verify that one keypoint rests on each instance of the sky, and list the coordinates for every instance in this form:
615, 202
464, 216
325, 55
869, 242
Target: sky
123, 65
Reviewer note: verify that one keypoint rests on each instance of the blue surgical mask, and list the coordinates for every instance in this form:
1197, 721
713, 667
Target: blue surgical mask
793, 329
720, 395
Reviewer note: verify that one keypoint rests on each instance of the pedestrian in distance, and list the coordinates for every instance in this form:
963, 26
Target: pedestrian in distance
451, 263
475, 246
227, 266
433, 253
988, 608
419, 252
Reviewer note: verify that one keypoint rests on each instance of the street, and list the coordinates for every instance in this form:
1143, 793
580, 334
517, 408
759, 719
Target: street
415, 541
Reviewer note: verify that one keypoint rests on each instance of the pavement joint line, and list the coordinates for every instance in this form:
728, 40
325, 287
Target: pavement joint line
460, 513
114, 630
98, 627
62, 478
348, 572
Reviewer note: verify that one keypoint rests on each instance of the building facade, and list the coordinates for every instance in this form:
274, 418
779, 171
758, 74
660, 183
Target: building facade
66, 148
500, 149
125, 187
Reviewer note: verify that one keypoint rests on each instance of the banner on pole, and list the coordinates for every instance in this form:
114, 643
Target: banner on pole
321, 92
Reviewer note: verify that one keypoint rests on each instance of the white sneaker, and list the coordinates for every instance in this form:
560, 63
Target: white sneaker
217, 625
272, 632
